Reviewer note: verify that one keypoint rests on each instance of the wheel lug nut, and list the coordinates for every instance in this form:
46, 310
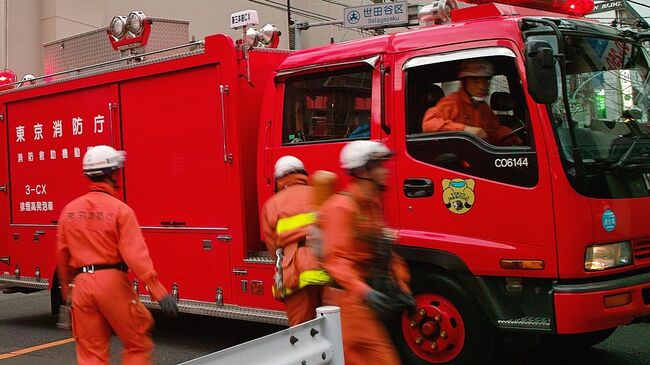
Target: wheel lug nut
437, 318
434, 346
413, 324
443, 334
422, 312
419, 340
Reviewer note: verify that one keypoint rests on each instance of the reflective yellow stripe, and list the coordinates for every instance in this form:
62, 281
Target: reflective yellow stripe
313, 277
295, 221
309, 277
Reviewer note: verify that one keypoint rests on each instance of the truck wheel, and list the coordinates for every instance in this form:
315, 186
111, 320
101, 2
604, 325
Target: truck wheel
56, 299
447, 327
576, 342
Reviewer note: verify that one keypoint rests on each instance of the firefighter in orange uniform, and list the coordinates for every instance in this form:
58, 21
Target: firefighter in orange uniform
286, 220
98, 238
352, 230
466, 109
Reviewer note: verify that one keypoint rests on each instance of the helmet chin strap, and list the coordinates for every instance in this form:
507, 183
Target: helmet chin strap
478, 99
380, 187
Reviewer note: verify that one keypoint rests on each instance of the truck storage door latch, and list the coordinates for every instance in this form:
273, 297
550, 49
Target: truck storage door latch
172, 223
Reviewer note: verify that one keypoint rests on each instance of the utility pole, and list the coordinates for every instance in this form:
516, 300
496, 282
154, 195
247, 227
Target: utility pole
292, 31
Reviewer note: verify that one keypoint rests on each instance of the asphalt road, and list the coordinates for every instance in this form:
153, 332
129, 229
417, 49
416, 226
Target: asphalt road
25, 322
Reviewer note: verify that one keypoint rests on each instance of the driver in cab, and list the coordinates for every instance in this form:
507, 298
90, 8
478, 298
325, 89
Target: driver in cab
466, 109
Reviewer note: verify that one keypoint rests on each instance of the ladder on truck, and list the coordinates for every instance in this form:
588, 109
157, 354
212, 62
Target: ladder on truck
316, 342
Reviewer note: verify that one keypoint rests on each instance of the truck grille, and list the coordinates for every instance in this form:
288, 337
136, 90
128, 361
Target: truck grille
641, 250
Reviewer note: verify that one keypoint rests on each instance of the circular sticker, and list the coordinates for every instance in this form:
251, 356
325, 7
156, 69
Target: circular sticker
609, 220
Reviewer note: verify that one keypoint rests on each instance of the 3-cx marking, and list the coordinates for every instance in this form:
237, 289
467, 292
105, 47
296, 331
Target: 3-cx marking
38, 189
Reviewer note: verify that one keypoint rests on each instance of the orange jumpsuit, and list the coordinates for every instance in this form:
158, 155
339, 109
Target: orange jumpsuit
294, 198
345, 221
455, 111
97, 228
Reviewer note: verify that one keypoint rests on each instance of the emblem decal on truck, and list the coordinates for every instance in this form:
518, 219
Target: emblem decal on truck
458, 195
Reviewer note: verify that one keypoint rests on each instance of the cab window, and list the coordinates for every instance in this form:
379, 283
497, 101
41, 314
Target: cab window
327, 106
481, 133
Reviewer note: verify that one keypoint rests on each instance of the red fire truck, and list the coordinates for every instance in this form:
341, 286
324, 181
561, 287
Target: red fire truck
545, 238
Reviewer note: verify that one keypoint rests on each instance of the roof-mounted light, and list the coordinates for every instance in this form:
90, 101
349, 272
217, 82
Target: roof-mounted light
7, 78
135, 22
251, 38
127, 33
117, 28
269, 35
570, 7
28, 79
437, 13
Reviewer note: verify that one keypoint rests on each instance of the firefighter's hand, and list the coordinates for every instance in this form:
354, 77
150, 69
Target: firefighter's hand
408, 301
480, 132
168, 306
383, 305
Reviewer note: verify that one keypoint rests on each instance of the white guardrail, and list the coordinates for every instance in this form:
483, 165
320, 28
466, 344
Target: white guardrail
314, 342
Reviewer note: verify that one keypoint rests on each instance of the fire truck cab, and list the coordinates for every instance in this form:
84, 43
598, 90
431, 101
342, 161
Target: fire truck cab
540, 231
545, 235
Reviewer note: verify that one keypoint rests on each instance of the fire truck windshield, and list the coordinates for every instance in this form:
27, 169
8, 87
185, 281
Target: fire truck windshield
608, 89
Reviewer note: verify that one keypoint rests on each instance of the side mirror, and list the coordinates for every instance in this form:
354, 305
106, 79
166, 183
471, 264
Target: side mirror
540, 72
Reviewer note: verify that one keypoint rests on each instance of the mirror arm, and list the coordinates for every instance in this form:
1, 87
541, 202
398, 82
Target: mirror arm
577, 156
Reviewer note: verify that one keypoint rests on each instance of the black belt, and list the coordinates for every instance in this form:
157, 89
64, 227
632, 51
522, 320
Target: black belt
92, 268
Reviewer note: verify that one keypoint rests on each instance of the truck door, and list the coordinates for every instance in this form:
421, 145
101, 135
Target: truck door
47, 137
322, 110
176, 177
480, 201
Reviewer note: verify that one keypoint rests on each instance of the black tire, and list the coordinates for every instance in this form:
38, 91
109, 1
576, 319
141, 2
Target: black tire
56, 299
480, 336
576, 342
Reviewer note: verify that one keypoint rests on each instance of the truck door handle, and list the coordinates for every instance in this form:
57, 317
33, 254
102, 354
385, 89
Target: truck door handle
172, 223
418, 188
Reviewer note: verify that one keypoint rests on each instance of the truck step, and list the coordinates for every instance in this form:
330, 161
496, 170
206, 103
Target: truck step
224, 311
24, 282
535, 323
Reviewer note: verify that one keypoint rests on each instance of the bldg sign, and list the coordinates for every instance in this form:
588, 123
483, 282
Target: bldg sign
376, 15
609, 6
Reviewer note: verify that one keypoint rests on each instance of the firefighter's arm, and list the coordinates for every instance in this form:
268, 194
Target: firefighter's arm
268, 223
135, 253
496, 131
401, 272
338, 239
65, 272
441, 117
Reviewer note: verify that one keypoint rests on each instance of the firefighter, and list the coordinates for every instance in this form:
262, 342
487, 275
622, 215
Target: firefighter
467, 110
98, 239
360, 260
286, 221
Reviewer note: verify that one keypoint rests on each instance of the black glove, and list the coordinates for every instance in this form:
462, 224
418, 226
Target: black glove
408, 300
168, 306
383, 305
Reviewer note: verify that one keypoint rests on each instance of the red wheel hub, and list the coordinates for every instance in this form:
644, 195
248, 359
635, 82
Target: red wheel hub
435, 331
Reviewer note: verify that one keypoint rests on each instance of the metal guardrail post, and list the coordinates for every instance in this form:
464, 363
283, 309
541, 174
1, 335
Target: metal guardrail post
332, 331
316, 342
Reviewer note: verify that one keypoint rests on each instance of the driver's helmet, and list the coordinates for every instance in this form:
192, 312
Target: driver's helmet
476, 68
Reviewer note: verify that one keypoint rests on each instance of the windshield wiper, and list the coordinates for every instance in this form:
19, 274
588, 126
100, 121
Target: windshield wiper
621, 163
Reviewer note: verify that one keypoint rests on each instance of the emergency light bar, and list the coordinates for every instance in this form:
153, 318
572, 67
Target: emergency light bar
570, 7
7, 77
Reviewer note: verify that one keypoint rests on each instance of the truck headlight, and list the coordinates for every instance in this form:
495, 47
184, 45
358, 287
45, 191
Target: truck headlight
607, 256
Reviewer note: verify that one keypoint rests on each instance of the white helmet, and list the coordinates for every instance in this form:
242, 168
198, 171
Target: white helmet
476, 67
288, 165
358, 153
101, 160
